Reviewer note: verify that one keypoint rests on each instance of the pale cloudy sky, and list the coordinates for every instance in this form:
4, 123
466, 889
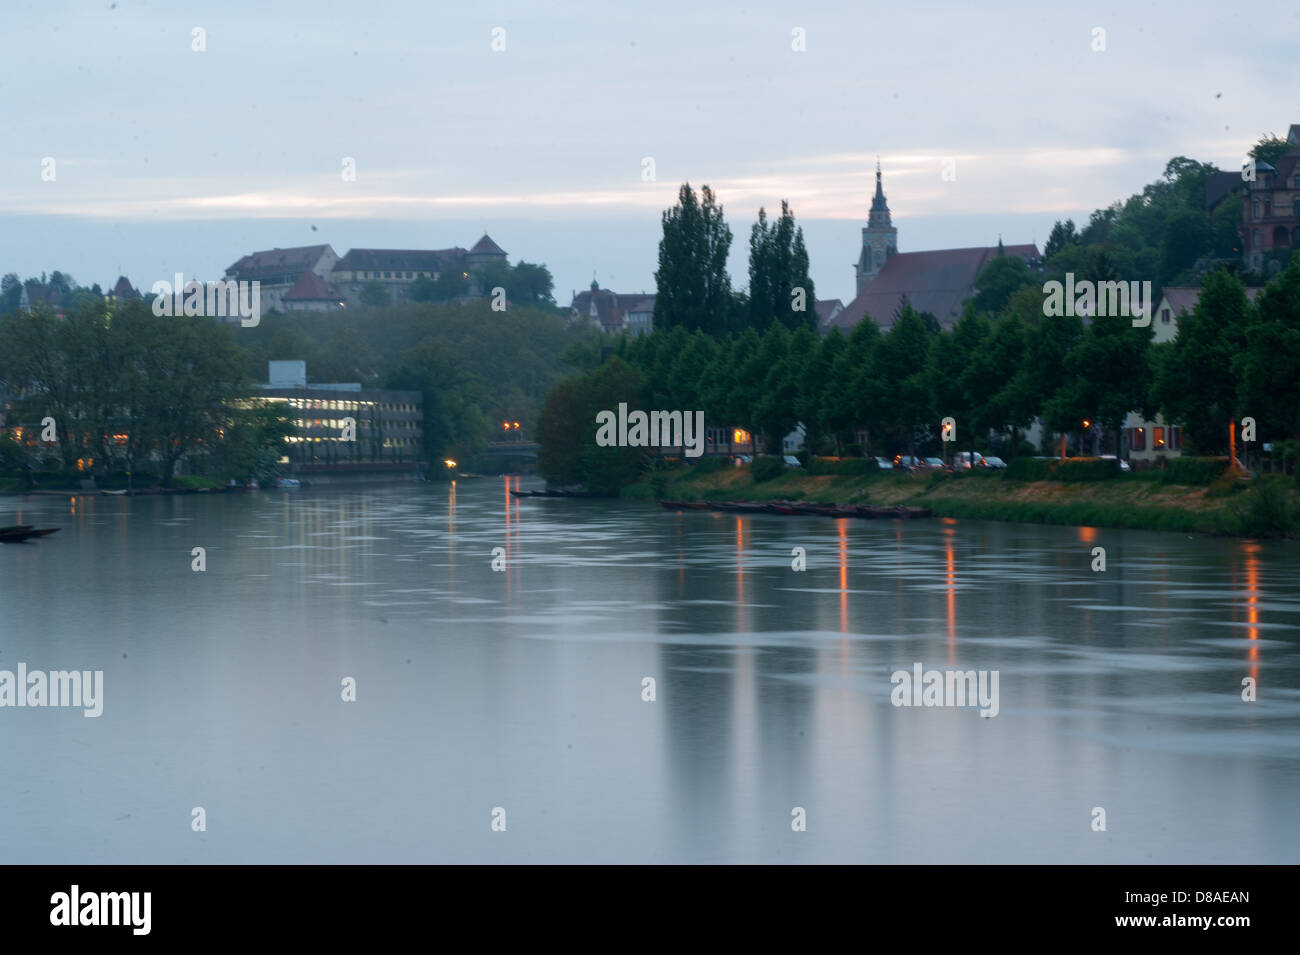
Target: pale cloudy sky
168, 159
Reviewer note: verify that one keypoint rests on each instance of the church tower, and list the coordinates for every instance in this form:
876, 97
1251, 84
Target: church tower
879, 238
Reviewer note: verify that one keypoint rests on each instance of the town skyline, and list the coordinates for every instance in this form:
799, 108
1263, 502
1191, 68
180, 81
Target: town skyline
557, 176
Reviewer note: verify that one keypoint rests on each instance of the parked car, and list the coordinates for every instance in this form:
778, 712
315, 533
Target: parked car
792, 462
996, 464
1123, 465
742, 459
935, 464
884, 464
906, 462
962, 460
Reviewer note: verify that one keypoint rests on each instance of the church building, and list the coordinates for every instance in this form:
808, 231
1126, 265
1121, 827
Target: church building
938, 282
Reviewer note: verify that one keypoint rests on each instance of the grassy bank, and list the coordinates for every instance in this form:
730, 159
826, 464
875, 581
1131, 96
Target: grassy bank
1266, 506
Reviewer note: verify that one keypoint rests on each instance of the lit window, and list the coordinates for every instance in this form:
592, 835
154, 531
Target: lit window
1158, 439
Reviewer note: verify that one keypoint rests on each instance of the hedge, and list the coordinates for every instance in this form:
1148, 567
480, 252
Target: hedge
1029, 469
1085, 469
842, 466
1187, 470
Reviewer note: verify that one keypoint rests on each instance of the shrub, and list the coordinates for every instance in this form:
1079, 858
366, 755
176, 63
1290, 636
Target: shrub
853, 467
1266, 510
1029, 469
765, 468
1085, 469
1187, 470
641, 492
711, 464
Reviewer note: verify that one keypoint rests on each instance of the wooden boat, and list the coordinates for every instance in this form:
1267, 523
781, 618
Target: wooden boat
113, 493
784, 507
16, 535
15, 527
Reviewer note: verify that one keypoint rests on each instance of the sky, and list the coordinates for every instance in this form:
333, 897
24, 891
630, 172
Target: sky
534, 122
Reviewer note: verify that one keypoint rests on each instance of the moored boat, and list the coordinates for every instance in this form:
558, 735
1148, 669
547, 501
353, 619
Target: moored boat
20, 533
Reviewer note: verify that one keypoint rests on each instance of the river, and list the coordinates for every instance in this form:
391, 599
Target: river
517, 696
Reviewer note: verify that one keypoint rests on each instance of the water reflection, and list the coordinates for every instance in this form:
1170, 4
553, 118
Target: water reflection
484, 689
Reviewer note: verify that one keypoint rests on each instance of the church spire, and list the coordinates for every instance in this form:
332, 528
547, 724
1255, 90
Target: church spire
878, 204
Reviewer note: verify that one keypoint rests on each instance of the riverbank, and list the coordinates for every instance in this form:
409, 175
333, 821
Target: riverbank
1266, 506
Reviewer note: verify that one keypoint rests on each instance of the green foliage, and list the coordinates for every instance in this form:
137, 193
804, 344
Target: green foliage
842, 466
765, 468
524, 283
694, 289
1192, 471
1085, 469
711, 464
475, 367
165, 385
567, 430
999, 280
778, 274
374, 294
1266, 509
1029, 469
1270, 148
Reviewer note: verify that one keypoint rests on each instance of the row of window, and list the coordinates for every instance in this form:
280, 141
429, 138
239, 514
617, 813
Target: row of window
1263, 208
337, 424
387, 442
399, 275
312, 404
1162, 439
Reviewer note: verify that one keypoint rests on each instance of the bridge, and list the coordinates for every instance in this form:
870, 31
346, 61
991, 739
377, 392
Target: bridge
512, 449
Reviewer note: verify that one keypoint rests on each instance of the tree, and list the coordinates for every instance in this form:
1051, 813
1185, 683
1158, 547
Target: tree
1268, 367
901, 367
999, 280
1062, 234
780, 287
1195, 383
694, 289
374, 294
1269, 149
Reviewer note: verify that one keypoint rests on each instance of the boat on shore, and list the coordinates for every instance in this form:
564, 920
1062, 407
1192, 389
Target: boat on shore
801, 508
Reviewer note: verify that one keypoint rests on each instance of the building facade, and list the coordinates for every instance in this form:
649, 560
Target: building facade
1271, 207
278, 271
344, 427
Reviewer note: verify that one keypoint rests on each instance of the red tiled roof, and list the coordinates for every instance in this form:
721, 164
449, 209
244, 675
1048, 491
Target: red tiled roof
124, 289
608, 313
311, 287
485, 246
936, 282
277, 262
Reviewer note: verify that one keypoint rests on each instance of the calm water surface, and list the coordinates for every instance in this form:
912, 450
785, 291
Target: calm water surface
522, 689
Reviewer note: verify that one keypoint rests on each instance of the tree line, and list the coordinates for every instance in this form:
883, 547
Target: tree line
124, 392
994, 372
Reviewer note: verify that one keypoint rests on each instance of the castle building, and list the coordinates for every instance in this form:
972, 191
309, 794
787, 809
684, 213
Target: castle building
1271, 206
